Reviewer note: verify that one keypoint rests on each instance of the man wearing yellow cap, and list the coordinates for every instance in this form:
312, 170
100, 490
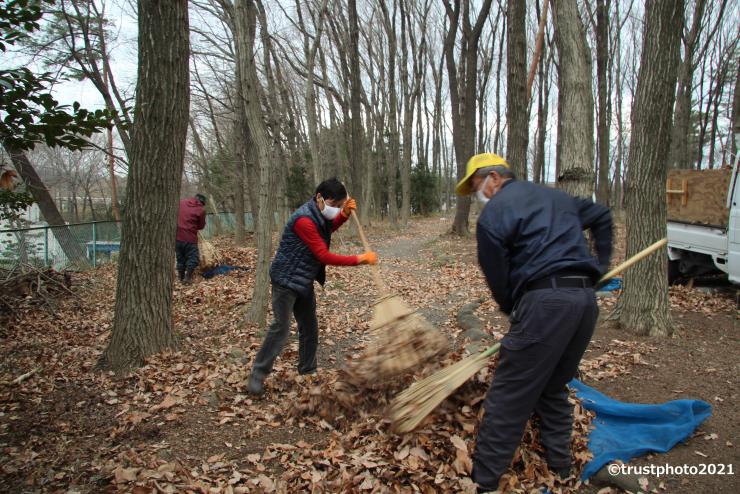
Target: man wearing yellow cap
539, 267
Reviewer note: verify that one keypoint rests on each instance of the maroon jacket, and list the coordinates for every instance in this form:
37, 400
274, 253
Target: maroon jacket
190, 218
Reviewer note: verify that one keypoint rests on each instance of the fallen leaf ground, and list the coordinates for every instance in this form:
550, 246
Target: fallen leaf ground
184, 423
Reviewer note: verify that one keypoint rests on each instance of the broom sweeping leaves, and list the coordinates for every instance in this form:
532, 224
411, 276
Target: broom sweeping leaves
410, 407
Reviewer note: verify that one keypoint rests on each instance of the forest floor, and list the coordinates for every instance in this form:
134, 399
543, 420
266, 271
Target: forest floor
183, 422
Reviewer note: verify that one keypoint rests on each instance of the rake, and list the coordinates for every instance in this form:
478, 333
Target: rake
402, 339
414, 404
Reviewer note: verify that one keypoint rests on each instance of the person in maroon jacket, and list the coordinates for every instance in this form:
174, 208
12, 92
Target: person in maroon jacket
190, 219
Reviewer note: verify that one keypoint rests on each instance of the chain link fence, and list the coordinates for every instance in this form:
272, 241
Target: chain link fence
84, 245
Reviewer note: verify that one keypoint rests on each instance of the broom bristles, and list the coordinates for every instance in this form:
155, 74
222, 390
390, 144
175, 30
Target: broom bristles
412, 406
210, 256
403, 339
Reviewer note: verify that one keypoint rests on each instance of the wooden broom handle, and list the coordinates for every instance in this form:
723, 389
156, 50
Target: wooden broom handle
374, 267
634, 259
629, 262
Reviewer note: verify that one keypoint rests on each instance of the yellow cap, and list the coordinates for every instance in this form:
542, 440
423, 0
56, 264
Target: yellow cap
475, 163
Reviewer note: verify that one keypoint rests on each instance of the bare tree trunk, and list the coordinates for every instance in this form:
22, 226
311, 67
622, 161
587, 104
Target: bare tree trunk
497, 133
111, 160
517, 117
240, 156
142, 323
602, 133
309, 50
357, 137
644, 307
392, 165
575, 153
463, 84
539, 174
246, 24
618, 189
736, 112
679, 155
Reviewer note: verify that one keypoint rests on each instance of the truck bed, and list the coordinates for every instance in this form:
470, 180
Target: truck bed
704, 200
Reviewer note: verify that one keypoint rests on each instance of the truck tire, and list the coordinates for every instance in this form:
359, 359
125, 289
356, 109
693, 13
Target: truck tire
674, 272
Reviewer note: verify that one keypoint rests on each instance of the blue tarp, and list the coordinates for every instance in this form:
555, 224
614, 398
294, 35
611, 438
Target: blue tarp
221, 270
625, 430
611, 285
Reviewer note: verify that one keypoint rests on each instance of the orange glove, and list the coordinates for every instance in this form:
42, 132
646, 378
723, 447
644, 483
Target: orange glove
349, 206
368, 257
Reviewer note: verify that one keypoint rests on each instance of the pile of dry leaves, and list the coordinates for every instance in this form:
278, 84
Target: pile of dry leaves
435, 457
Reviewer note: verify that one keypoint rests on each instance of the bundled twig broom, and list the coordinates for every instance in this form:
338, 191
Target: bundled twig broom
412, 406
402, 338
209, 255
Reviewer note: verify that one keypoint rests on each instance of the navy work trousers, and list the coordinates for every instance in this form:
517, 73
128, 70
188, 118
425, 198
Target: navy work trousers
187, 256
550, 330
286, 302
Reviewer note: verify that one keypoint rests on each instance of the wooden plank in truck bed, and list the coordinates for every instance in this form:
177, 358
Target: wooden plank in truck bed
704, 201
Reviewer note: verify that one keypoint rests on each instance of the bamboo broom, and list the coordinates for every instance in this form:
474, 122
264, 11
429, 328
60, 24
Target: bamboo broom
209, 255
402, 340
413, 405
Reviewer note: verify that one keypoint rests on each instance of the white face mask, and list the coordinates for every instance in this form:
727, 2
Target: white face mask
479, 193
330, 212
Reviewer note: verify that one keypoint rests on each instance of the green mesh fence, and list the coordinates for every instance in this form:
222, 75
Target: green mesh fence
74, 246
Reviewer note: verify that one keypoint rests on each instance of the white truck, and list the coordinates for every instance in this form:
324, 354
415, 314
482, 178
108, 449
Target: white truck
704, 223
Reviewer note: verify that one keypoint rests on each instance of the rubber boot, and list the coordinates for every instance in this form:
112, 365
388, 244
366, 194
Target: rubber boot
181, 274
188, 279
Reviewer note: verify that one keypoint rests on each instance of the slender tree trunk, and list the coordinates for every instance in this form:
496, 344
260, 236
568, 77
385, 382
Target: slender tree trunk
356, 133
736, 112
618, 189
543, 98
517, 117
240, 156
602, 57
142, 323
680, 157
644, 306
462, 96
246, 22
309, 50
111, 159
575, 153
497, 133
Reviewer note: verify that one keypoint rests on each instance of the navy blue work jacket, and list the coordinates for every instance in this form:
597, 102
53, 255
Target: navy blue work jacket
527, 232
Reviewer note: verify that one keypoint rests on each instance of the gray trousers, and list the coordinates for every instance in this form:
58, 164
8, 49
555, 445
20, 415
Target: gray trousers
550, 330
286, 302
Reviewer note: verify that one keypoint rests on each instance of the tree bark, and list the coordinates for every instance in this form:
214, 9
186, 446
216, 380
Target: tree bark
517, 116
736, 112
463, 84
575, 153
679, 151
309, 51
392, 161
356, 133
246, 25
644, 305
618, 188
602, 133
142, 323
